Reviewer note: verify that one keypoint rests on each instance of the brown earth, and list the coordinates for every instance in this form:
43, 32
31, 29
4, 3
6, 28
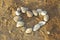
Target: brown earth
8, 30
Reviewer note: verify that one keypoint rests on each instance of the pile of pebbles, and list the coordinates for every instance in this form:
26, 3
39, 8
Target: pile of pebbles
38, 12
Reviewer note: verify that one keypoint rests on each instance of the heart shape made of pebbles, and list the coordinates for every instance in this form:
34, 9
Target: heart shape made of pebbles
38, 12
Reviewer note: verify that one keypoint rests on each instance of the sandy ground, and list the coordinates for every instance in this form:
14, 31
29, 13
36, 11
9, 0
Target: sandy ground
8, 30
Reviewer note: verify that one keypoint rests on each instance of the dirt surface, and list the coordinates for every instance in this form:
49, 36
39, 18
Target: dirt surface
8, 30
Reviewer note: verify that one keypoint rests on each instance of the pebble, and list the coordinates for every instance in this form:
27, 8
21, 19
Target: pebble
35, 12
10, 31
48, 32
20, 24
41, 23
29, 14
18, 9
28, 30
24, 9
36, 27
43, 13
39, 11
18, 13
17, 18
46, 18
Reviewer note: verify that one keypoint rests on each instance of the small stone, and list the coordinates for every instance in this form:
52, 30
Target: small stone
18, 9
20, 24
10, 31
39, 10
35, 12
48, 32
28, 30
24, 9
18, 13
43, 13
29, 14
41, 23
36, 27
17, 18
46, 18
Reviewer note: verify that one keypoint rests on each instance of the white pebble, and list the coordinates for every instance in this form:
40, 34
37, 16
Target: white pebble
48, 32
46, 18
43, 13
41, 23
28, 30
29, 14
10, 31
18, 13
20, 24
35, 12
18, 9
36, 27
24, 9
39, 10
17, 18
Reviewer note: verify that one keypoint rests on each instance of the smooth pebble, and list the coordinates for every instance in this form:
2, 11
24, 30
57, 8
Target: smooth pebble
29, 14
46, 18
36, 27
35, 12
43, 13
39, 10
28, 30
18, 9
24, 9
18, 13
17, 18
20, 24
41, 23
48, 32
10, 31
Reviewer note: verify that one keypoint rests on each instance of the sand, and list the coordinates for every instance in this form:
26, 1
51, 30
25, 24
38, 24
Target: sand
8, 30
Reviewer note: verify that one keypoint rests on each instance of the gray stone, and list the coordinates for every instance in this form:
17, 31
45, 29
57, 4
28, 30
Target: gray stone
36, 27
